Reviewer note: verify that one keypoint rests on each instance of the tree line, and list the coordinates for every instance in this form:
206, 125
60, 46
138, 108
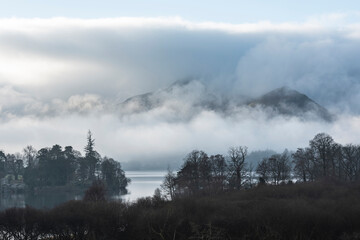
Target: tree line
312, 210
322, 204
203, 174
57, 166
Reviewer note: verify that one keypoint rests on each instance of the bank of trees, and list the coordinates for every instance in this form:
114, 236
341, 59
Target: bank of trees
275, 169
58, 166
11, 164
203, 174
322, 159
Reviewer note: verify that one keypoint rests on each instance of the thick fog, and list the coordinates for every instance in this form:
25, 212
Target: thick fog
61, 77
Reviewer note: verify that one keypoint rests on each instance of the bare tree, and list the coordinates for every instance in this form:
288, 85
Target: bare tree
277, 168
263, 170
168, 185
323, 148
30, 155
237, 156
284, 166
303, 168
351, 161
219, 171
250, 175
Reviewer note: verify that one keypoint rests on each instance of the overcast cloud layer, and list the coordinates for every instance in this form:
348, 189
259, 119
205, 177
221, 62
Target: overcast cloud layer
60, 77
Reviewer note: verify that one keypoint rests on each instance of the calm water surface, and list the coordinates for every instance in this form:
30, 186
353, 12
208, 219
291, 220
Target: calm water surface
143, 184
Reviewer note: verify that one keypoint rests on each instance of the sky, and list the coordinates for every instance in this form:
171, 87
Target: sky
66, 67
231, 11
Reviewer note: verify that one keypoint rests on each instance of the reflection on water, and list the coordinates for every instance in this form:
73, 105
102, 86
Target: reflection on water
12, 200
143, 183
44, 200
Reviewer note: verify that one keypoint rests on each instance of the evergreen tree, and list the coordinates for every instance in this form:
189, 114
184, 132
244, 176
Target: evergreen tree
91, 157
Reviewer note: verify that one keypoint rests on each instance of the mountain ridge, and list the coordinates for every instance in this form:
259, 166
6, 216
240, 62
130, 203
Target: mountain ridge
287, 101
194, 94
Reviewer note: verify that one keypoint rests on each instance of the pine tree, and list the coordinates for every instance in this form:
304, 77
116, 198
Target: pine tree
91, 156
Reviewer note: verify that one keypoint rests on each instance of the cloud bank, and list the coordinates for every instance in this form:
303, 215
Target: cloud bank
60, 77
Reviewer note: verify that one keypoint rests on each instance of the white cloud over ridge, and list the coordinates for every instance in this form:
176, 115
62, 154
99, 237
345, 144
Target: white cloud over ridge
60, 77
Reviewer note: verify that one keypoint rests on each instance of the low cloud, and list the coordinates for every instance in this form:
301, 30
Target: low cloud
146, 139
14, 104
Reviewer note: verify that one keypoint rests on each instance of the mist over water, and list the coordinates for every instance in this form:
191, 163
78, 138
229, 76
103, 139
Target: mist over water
143, 184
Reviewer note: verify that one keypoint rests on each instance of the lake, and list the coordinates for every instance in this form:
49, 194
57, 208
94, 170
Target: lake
143, 184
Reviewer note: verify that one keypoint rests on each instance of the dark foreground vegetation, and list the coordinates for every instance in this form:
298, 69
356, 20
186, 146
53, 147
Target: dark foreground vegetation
316, 210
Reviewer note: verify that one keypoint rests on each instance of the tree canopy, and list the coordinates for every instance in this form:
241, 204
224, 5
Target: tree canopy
58, 166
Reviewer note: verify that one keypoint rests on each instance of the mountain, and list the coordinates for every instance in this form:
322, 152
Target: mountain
189, 94
289, 102
189, 97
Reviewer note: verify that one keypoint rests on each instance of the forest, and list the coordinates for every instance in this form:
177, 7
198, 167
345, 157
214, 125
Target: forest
311, 193
209, 175
57, 167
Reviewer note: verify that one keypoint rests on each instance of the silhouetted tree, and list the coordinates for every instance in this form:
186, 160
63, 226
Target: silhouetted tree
57, 166
70, 163
2, 164
219, 171
304, 167
205, 172
351, 162
2, 155
30, 156
195, 172
54, 167
263, 170
237, 156
113, 176
285, 166
322, 146
277, 168
169, 185
14, 165
91, 156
